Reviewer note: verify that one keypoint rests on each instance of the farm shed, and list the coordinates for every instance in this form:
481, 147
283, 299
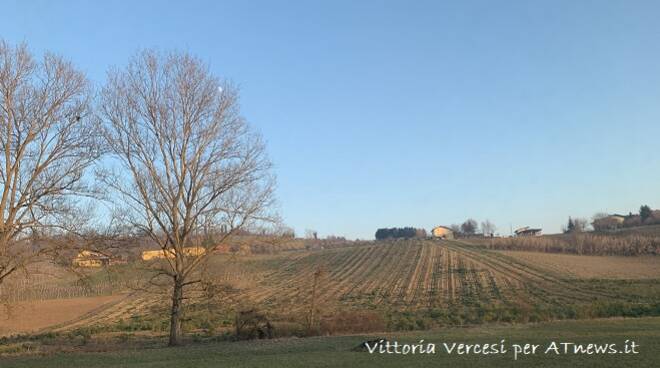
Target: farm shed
527, 231
442, 232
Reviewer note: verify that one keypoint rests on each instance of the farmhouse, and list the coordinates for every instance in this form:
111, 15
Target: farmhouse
611, 222
527, 231
148, 255
90, 258
442, 232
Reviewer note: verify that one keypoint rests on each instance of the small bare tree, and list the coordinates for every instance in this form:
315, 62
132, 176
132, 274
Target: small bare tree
311, 234
311, 317
191, 166
580, 225
48, 140
488, 228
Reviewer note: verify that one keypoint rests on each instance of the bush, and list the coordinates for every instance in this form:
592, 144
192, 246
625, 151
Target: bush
251, 324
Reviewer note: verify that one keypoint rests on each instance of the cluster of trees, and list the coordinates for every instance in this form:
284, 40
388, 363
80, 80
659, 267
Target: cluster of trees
313, 241
575, 225
400, 232
604, 221
471, 227
187, 164
645, 216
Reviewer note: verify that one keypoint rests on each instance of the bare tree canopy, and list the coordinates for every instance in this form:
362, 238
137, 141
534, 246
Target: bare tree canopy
191, 164
488, 228
48, 139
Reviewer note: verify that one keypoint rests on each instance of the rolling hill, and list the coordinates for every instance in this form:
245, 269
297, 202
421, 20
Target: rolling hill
410, 284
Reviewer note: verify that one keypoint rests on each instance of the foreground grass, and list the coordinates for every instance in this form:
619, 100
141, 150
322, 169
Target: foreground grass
337, 351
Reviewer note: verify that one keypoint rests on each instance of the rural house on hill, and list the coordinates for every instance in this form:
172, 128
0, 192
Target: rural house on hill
527, 231
90, 258
442, 232
149, 255
611, 222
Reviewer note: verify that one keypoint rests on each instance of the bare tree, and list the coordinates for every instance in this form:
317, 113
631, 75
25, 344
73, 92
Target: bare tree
48, 140
318, 274
575, 225
488, 228
311, 234
580, 224
191, 164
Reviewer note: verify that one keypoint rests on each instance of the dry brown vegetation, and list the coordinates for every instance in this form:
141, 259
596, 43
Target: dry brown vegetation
394, 285
31, 316
397, 285
45, 281
373, 287
625, 244
601, 267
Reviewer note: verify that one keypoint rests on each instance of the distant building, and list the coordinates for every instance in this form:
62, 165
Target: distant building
148, 255
527, 231
194, 251
90, 258
442, 232
611, 222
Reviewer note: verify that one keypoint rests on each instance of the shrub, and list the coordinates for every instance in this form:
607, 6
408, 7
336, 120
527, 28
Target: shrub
251, 324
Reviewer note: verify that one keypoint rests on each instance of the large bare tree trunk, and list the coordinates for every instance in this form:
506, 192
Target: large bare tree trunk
175, 314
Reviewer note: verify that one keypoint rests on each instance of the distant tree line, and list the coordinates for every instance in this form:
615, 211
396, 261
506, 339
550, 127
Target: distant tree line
471, 228
400, 233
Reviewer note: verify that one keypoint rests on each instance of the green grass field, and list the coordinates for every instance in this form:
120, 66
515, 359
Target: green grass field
337, 351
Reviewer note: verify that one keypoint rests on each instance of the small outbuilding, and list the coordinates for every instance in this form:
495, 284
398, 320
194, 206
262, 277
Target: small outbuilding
442, 232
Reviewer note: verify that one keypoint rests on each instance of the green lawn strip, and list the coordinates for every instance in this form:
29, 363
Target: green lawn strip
336, 351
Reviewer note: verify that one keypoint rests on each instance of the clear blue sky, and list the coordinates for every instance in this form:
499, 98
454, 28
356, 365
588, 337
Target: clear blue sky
417, 113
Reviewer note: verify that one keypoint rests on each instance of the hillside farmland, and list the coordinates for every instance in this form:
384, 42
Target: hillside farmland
593, 267
625, 243
32, 316
410, 284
